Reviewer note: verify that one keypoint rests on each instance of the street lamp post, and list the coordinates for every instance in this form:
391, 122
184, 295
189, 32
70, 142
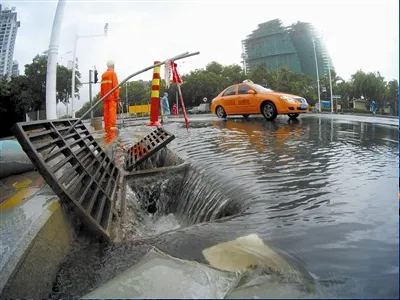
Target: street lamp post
126, 100
330, 85
316, 67
74, 64
51, 72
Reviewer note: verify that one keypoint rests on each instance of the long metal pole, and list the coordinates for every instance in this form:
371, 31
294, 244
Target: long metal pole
126, 99
73, 77
90, 92
330, 86
316, 67
180, 56
51, 72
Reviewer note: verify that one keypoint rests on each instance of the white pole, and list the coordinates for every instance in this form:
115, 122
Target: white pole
330, 85
51, 73
73, 78
316, 67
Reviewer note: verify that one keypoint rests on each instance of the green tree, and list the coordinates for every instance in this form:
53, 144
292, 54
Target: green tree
138, 92
64, 84
97, 112
36, 74
370, 85
15, 100
393, 96
233, 74
345, 90
214, 67
259, 75
292, 82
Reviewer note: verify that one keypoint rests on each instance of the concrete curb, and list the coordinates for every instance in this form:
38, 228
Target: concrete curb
32, 267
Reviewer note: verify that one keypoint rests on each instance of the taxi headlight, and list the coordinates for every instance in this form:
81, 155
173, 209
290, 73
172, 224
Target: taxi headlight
287, 99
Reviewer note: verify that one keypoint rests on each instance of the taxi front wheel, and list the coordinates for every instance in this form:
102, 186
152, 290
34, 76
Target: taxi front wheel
269, 111
221, 112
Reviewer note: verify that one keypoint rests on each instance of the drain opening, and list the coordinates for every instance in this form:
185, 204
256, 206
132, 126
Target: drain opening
166, 201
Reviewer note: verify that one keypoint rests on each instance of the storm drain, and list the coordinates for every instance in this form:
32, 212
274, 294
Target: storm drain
75, 167
147, 147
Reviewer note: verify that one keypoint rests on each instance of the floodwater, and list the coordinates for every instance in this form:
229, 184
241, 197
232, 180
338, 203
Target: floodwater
321, 191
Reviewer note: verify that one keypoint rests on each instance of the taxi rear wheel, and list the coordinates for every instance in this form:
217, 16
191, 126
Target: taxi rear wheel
293, 116
220, 112
269, 111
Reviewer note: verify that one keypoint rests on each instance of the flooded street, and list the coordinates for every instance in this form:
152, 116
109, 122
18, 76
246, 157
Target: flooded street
320, 191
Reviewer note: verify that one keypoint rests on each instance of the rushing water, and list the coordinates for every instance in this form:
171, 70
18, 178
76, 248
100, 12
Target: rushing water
320, 191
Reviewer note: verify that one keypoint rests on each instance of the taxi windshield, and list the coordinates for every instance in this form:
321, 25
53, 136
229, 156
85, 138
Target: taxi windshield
262, 89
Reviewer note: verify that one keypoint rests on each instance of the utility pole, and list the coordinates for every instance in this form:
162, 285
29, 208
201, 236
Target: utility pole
74, 63
330, 86
90, 92
316, 68
126, 99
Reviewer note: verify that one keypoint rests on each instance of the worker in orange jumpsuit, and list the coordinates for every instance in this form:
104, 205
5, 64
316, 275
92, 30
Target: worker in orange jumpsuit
109, 80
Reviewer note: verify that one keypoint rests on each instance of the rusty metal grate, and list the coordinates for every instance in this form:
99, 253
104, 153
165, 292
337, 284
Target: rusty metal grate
146, 147
75, 167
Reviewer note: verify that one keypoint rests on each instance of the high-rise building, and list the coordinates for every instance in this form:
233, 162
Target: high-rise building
8, 33
278, 46
15, 70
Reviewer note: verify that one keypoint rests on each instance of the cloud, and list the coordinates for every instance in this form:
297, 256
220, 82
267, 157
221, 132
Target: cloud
358, 34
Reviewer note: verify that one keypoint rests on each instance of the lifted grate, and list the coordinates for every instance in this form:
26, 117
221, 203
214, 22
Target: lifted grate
146, 147
75, 167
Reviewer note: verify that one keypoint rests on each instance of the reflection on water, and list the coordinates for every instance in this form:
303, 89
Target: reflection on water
321, 192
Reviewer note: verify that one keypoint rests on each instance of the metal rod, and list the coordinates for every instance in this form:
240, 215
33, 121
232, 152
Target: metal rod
180, 56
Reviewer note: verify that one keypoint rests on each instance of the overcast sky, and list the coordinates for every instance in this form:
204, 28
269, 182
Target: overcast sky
359, 34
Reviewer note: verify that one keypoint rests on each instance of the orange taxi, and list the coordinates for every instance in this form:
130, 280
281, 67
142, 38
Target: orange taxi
248, 98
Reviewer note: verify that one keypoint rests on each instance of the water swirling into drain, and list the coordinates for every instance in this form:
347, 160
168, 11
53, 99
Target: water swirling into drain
164, 202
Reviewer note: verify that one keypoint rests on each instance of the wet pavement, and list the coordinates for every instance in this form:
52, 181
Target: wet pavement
25, 198
320, 191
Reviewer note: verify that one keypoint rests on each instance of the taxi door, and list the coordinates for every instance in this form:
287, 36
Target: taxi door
246, 103
229, 100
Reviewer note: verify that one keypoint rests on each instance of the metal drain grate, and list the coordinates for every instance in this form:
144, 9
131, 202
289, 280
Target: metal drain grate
146, 147
75, 167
